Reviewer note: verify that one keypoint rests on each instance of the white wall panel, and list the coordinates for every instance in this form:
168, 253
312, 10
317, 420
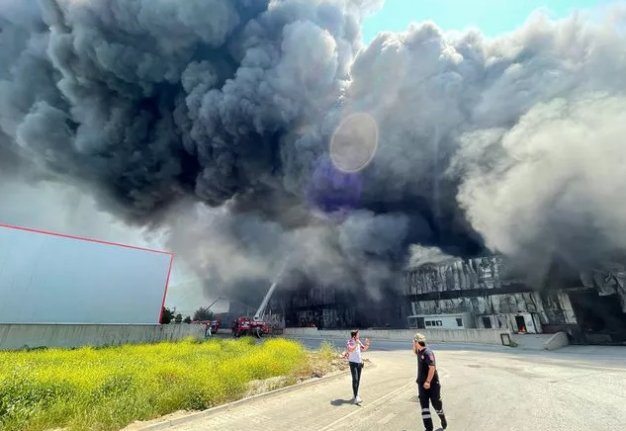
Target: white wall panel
50, 278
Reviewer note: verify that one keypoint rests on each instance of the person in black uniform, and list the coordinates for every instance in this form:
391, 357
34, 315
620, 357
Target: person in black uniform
428, 385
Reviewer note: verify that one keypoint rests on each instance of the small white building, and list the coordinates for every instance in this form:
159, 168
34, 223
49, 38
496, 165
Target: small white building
442, 321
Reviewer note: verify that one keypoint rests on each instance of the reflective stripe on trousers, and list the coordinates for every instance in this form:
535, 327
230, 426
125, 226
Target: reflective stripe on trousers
426, 397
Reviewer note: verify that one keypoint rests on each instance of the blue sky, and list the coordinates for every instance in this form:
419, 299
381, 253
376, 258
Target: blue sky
493, 17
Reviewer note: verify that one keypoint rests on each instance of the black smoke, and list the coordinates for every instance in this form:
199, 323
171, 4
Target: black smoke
211, 120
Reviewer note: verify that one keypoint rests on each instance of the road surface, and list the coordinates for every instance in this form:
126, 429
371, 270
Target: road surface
486, 389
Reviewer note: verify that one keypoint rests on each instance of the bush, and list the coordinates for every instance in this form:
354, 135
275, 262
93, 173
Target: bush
166, 316
203, 313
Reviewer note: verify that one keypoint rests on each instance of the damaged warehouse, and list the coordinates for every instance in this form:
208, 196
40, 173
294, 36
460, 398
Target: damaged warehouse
482, 293
329, 307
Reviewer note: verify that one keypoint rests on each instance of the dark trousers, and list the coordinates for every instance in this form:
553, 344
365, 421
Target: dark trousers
355, 370
427, 397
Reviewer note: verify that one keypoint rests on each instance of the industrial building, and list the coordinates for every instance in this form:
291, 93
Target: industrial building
483, 293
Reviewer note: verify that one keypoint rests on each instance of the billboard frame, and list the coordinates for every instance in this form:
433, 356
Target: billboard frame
104, 242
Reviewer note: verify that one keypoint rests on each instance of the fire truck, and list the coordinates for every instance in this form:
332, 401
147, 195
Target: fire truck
211, 326
262, 323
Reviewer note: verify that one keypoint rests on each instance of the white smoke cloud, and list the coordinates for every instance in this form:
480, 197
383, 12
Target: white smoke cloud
420, 255
552, 184
242, 250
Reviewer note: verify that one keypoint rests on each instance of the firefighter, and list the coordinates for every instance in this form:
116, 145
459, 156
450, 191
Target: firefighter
428, 385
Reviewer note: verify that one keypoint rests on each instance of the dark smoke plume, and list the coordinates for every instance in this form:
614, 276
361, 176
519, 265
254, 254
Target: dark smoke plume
212, 120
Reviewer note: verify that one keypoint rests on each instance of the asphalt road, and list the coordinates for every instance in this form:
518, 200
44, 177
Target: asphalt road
484, 388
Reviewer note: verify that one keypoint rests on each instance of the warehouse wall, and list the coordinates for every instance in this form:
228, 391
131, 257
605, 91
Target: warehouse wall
480, 336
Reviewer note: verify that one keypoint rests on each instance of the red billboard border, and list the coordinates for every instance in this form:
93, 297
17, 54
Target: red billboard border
99, 241
167, 282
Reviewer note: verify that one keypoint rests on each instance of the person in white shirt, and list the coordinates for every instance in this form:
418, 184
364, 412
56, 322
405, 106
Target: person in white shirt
354, 348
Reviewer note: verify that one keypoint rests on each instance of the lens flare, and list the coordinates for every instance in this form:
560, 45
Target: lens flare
354, 142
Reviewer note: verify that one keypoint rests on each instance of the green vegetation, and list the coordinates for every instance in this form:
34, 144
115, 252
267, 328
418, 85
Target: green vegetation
203, 313
107, 388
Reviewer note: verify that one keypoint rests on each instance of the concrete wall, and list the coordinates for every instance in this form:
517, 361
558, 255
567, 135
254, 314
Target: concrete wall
18, 336
557, 341
480, 336
541, 341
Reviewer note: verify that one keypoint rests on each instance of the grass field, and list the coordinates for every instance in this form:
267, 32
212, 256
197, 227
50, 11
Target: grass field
107, 388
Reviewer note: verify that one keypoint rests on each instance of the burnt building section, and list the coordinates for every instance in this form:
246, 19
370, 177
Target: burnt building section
483, 293
327, 307
601, 305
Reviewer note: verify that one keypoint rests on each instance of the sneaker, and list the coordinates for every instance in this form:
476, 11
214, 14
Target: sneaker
358, 400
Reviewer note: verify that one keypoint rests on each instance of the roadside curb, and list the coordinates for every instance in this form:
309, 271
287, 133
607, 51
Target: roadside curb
213, 410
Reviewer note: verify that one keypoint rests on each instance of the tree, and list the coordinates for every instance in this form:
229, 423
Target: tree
166, 316
178, 318
203, 313
187, 319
